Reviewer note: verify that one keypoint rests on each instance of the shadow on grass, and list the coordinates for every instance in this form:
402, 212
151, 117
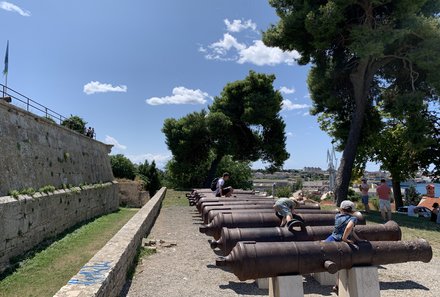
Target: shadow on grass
404, 221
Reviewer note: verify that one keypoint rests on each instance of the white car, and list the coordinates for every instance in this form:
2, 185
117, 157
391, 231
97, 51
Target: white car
421, 210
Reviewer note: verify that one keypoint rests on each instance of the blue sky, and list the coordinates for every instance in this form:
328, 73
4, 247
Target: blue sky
125, 66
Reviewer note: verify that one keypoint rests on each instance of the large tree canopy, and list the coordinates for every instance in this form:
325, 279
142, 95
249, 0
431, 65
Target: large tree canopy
243, 123
363, 52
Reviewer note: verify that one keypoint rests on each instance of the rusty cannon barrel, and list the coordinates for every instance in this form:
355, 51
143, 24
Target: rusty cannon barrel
213, 213
252, 260
207, 209
257, 220
260, 201
231, 236
204, 200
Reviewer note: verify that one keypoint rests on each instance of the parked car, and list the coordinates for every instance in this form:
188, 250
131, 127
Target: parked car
421, 210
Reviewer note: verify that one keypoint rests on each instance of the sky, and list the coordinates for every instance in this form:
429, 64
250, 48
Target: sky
126, 66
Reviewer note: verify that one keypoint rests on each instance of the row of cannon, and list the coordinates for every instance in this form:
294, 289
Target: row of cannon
247, 232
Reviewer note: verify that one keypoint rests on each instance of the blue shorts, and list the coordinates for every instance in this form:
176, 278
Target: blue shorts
283, 210
330, 239
365, 199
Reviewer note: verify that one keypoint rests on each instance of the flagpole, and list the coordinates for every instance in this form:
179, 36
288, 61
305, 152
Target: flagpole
6, 70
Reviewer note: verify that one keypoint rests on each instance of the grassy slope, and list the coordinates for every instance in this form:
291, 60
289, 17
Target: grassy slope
49, 270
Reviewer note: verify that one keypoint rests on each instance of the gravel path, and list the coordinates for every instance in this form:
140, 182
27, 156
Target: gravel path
188, 268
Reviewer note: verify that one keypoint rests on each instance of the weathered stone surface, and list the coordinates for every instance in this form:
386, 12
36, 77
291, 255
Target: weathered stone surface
131, 193
26, 221
35, 152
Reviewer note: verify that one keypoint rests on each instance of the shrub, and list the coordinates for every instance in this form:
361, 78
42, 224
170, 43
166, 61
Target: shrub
353, 196
122, 167
375, 202
14, 193
27, 191
283, 191
75, 123
47, 189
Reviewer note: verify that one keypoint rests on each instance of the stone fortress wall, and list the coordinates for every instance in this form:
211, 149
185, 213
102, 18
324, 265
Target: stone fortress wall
35, 153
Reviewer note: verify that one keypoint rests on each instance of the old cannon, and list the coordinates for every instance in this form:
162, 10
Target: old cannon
236, 202
212, 198
207, 209
213, 213
231, 236
256, 220
252, 260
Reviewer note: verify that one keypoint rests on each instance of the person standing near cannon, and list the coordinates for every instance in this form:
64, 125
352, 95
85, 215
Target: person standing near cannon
384, 192
363, 187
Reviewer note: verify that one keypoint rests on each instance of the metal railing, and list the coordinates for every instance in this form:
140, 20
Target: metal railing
32, 106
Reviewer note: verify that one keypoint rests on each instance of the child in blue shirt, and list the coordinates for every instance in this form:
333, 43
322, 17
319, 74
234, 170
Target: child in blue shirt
344, 223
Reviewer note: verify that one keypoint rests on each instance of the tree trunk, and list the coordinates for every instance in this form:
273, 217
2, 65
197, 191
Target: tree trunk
361, 80
212, 171
397, 193
343, 176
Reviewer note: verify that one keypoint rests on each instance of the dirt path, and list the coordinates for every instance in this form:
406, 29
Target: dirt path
188, 268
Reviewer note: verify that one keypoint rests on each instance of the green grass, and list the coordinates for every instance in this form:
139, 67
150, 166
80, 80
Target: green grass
47, 271
175, 198
412, 228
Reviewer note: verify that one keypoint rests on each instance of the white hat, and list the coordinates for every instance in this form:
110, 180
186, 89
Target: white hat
347, 205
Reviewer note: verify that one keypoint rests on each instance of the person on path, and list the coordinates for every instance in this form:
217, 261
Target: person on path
363, 187
383, 192
221, 190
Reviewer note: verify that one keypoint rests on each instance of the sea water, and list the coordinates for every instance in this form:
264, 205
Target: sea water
421, 188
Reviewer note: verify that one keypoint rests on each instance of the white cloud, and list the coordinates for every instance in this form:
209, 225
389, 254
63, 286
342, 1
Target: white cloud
12, 7
306, 114
286, 90
257, 53
289, 105
289, 134
307, 96
97, 87
239, 25
114, 142
181, 95
160, 159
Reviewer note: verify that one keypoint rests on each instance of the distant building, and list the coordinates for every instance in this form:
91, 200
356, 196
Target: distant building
313, 169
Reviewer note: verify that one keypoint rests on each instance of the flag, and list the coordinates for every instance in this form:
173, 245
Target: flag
5, 71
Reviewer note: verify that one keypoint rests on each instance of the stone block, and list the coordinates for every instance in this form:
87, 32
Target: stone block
359, 282
286, 286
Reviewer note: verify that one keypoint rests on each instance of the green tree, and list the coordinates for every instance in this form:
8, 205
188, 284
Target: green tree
241, 173
243, 122
367, 46
151, 177
122, 167
75, 123
405, 146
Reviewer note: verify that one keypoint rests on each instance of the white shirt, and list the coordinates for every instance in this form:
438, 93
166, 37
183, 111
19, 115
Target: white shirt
220, 184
